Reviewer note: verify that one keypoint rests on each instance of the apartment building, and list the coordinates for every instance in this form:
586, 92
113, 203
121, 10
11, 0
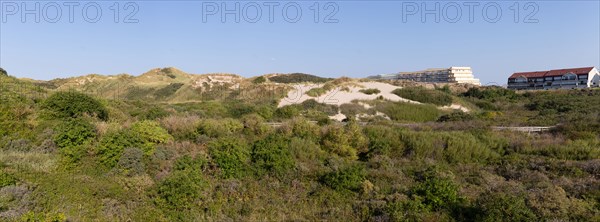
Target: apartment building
587, 77
449, 75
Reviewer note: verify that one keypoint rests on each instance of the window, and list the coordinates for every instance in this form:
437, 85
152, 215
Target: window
569, 76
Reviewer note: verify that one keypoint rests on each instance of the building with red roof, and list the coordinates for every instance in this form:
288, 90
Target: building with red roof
586, 77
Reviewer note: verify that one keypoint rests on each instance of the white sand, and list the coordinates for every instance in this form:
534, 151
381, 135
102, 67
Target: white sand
338, 97
456, 107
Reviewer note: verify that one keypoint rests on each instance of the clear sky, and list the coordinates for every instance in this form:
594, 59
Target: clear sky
351, 38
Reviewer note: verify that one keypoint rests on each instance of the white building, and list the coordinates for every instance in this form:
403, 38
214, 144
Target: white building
449, 75
587, 77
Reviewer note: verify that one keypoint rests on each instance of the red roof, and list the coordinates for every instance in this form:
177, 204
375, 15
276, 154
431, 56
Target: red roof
556, 72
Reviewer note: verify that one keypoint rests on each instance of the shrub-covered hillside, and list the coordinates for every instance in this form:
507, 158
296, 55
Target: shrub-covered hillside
72, 156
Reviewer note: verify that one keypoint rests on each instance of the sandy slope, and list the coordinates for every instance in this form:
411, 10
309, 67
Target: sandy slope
338, 97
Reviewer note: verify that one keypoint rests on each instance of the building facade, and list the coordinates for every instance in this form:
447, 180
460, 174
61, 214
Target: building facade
449, 75
576, 78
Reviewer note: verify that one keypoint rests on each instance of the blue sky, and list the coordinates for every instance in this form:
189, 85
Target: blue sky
369, 37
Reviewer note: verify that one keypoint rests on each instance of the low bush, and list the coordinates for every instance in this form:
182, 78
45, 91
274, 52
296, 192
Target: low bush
131, 162
491, 94
167, 91
216, 128
401, 111
181, 127
74, 104
370, 91
316, 92
301, 128
455, 116
452, 147
297, 78
423, 95
7, 179
180, 191
112, 145
74, 132
271, 155
336, 140
151, 134
154, 113
383, 140
349, 178
436, 193
259, 80
231, 155
500, 206
287, 112
254, 125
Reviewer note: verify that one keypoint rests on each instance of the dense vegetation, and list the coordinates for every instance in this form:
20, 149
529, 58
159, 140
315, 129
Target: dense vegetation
297, 78
423, 95
76, 157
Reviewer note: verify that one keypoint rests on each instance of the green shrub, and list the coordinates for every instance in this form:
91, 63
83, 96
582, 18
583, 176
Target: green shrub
186, 162
272, 155
423, 95
352, 109
131, 162
452, 147
297, 78
383, 140
180, 191
499, 206
491, 94
231, 155
167, 90
336, 140
154, 113
349, 178
255, 125
301, 128
112, 145
312, 104
370, 91
7, 179
216, 128
74, 104
401, 111
151, 134
287, 112
31, 216
358, 140
74, 132
3, 72
436, 193
259, 80
71, 155
316, 92
455, 116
